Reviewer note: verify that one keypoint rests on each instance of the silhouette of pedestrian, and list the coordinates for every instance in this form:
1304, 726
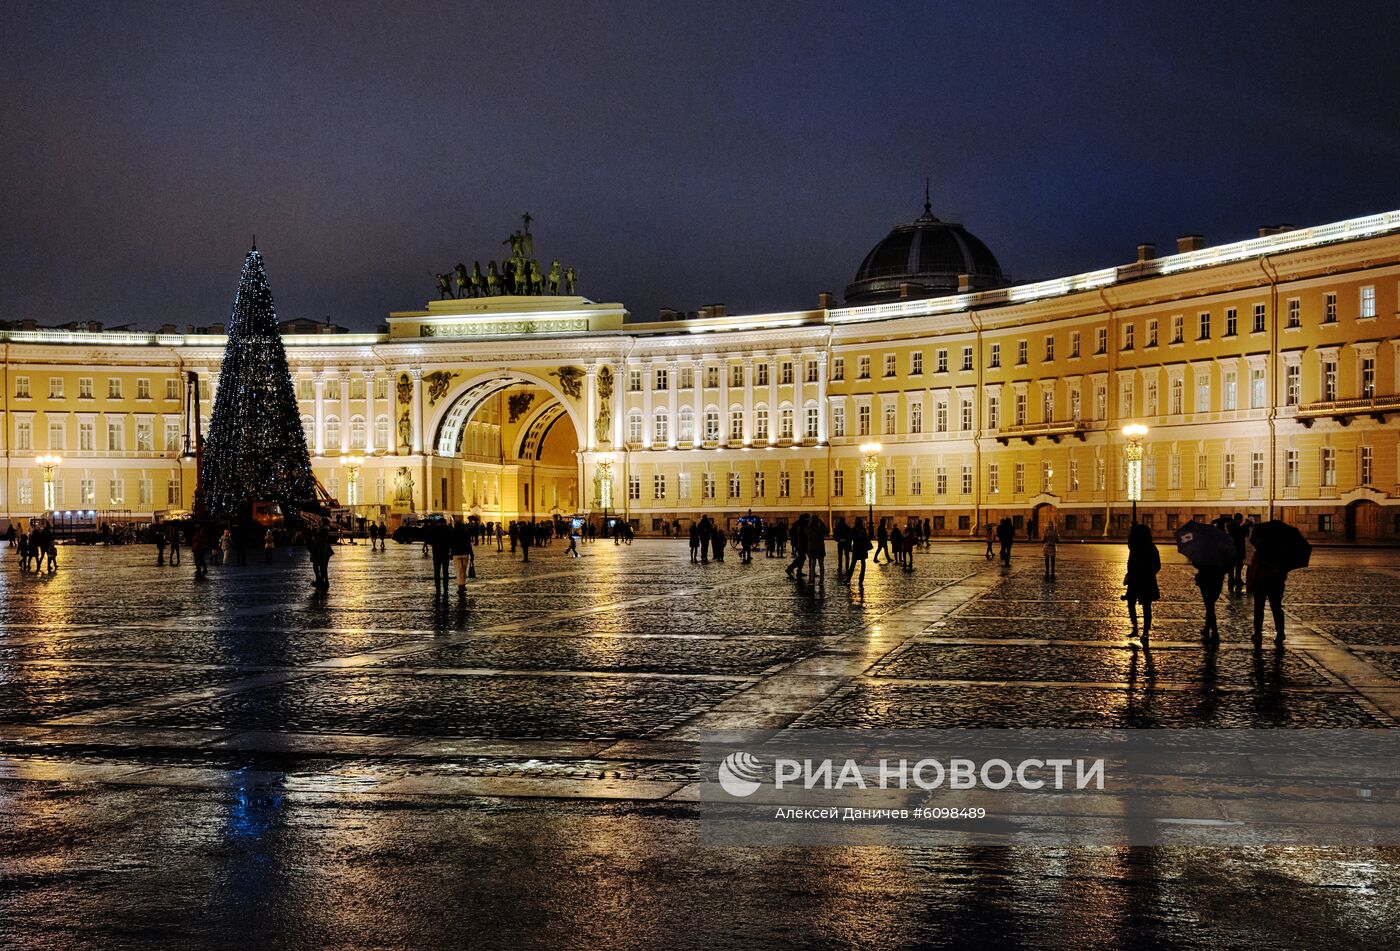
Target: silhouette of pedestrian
1143, 564
1052, 539
1239, 534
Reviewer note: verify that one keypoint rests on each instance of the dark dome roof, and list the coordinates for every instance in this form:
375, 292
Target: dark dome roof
928, 255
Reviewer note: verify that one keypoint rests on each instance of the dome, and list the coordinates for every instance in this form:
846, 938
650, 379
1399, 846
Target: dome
929, 256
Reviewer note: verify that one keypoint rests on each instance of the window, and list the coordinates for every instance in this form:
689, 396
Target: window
916, 363
838, 421
890, 425
661, 428
1101, 402
1204, 333
1256, 470
115, 434
1202, 470
966, 414
87, 492
838, 483
760, 485
1174, 471
634, 426
1232, 321
889, 481
1229, 470
940, 416
143, 492
1049, 349
712, 378
145, 436
1047, 475
55, 387
711, 425
357, 388
916, 481
1259, 312
661, 379
811, 428
381, 432
1074, 344
143, 389
172, 388
1178, 328
381, 391
1020, 353
304, 390
1229, 400
863, 421
1126, 394
357, 433
1047, 405
1329, 466
993, 411
838, 368
1074, 475
707, 485
1202, 394
809, 483
760, 424
687, 378
57, 432
116, 492
172, 492
1291, 384
993, 479
785, 371
761, 374
634, 381
941, 366
784, 484
1074, 407
1324, 523
1368, 377
333, 389
940, 481
1177, 397
890, 368
1367, 464
1152, 332
967, 480
1257, 396
1368, 303
736, 375
634, 488
1290, 468
1295, 312
332, 428
1329, 307
685, 424
863, 368
1102, 338
967, 358
171, 442
995, 360
785, 424
87, 437
1128, 336
21, 387
683, 485
658, 487
1329, 380
1020, 409
1151, 408
916, 418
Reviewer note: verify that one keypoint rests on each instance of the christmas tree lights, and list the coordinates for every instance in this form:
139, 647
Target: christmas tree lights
256, 450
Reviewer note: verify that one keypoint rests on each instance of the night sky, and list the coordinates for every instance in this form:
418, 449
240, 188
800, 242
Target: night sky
677, 154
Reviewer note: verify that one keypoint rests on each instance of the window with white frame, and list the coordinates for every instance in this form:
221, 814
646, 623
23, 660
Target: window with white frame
1047, 405
916, 417
1018, 475
1101, 402
916, 363
1256, 470
1202, 394
940, 480
116, 492
1073, 344
707, 485
1074, 475
812, 422
55, 387
634, 426
172, 492
941, 360
357, 433
22, 388
712, 379
1232, 321
1259, 318
87, 492
890, 367
1329, 466
1204, 333
1020, 419
736, 375
1229, 396
993, 479
172, 387
863, 421
1049, 349
58, 431
838, 369
1295, 313
1021, 353
685, 424
711, 425
785, 373
1129, 336
965, 406
658, 486
87, 437
1329, 380
357, 387
116, 433
332, 428
994, 410
1290, 468
863, 368
143, 389
1202, 470
809, 483
1368, 459
687, 378
381, 433
760, 424
143, 492
940, 416
1125, 395
994, 359
967, 358
332, 389
1152, 332
889, 480
25, 491
1178, 397
785, 424
1368, 377
145, 437
1368, 302
1100, 474
736, 425
661, 379
1102, 341
661, 427
760, 371
1329, 307
890, 425
1174, 470
1178, 328
812, 372
784, 484
634, 488
1151, 396
1258, 398
1229, 474
760, 485
683, 485
916, 481
1292, 384
171, 440
967, 480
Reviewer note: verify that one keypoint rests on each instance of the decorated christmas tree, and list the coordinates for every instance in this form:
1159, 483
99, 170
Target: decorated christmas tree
256, 450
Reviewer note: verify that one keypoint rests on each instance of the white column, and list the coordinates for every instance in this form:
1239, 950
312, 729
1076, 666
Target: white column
799, 412
619, 409
822, 410
320, 384
699, 434
369, 416
774, 374
648, 381
748, 401
417, 373
590, 397
344, 413
673, 381
723, 402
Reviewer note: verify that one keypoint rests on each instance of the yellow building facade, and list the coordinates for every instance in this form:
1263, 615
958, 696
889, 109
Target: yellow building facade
1267, 373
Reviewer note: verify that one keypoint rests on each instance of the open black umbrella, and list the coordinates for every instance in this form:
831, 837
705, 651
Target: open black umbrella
1205, 546
1281, 544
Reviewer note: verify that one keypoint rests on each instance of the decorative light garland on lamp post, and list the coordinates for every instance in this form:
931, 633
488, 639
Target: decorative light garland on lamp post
352, 484
869, 466
604, 461
1134, 433
48, 464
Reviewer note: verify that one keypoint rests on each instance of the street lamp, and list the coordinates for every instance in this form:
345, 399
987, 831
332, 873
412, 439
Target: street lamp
869, 466
1134, 434
352, 484
48, 464
604, 462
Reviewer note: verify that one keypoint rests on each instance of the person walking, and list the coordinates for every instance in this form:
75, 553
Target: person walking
1144, 563
860, 550
440, 545
816, 550
524, 530
882, 537
174, 544
1211, 580
462, 555
991, 537
1006, 534
199, 546
841, 534
799, 547
896, 539
160, 546
269, 546
1266, 580
1239, 534
573, 542
319, 547
1051, 539
694, 541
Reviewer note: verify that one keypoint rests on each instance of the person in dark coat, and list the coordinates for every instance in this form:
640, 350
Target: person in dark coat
1266, 580
799, 547
440, 541
462, 554
860, 551
200, 547
160, 545
841, 534
1143, 564
1239, 534
1006, 534
694, 542
882, 539
1211, 580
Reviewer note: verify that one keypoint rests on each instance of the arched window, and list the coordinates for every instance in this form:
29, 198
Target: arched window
661, 427
711, 425
381, 434
685, 428
634, 426
357, 433
332, 432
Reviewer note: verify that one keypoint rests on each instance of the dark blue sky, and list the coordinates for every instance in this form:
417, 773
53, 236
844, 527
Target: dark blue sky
677, 154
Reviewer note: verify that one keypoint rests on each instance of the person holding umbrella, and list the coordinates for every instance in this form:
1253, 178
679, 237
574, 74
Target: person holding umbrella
1212, 551
1278, 549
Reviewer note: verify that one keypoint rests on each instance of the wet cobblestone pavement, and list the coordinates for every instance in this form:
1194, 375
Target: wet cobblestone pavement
243, 763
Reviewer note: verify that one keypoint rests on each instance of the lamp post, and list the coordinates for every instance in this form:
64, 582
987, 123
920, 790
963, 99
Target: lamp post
48, 464
352, 484
604, 462
1134, 434
869, 466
